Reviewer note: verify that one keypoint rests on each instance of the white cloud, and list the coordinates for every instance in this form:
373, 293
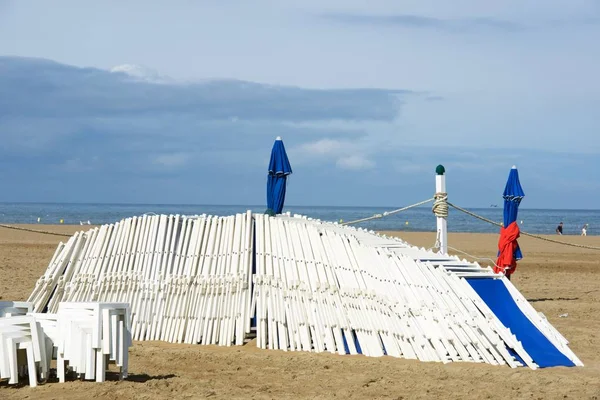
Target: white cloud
354, 162
348, 155
141, 73
324, 147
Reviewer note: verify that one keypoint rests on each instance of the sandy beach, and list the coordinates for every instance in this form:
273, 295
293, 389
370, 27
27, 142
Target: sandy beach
557, 280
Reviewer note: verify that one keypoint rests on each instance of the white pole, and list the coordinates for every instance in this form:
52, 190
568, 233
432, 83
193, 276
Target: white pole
442, 228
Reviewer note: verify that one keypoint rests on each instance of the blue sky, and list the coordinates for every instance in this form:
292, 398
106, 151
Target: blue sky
141, 102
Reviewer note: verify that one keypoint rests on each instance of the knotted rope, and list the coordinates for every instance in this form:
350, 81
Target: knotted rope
440, 205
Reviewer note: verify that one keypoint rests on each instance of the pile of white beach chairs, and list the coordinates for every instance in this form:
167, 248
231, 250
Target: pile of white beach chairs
82, 337
307, 285
187, 278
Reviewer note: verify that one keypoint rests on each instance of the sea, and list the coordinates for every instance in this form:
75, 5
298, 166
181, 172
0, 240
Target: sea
535, 221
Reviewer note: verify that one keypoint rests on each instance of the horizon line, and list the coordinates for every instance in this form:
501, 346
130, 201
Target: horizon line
264, 206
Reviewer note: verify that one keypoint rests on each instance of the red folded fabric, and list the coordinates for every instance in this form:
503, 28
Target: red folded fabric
507, 244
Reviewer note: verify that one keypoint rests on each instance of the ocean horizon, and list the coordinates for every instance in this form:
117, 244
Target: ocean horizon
532, 220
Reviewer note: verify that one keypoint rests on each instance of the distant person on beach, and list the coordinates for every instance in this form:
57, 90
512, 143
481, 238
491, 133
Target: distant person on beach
584, 230
559, 228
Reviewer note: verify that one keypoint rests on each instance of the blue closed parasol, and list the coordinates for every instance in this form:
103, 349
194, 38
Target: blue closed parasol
513, 194
509, 251
279, 169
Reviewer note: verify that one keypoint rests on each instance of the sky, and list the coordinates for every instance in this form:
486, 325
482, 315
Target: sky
141, 102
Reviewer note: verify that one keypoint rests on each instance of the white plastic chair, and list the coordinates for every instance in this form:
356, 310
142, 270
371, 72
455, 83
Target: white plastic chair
14, 308
92, 332
21, 333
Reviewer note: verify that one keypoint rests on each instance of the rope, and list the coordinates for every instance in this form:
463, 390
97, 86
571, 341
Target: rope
18, 228
524, 233
385, 214
437, 243
440, 205
472, 256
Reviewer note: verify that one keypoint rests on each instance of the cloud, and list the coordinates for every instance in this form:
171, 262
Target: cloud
115, 131
324, 147
344, 154
464, 25
92, 135
354, 162
65, 91
141, 73
81, 108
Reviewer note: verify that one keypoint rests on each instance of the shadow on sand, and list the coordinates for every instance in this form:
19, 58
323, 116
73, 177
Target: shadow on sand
110, 376
139, 378
553, 299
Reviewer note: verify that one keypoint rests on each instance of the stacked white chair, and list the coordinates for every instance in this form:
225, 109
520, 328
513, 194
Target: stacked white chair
49, 334
84, 336
91, 335
21, 333
12, 308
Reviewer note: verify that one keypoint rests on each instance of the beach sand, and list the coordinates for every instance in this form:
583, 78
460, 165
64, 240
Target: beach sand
556, 279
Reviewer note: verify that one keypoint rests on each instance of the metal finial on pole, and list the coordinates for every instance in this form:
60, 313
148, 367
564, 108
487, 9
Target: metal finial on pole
440, 209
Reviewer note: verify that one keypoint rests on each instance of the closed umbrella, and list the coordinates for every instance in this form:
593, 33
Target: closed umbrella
279, 169
508, 247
